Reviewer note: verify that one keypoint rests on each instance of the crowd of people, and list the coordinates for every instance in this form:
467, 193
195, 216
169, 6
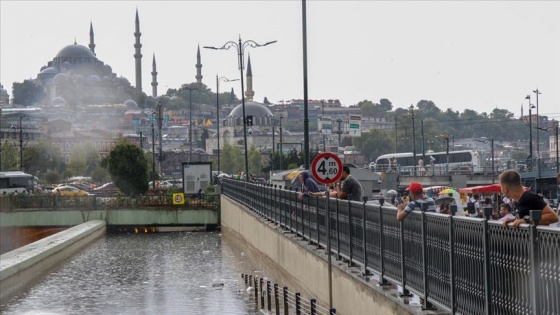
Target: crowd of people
514, 207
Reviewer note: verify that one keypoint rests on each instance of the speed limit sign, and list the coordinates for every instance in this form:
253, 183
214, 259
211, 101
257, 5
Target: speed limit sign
326, 168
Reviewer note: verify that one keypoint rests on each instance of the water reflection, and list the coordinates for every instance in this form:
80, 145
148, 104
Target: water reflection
166, 273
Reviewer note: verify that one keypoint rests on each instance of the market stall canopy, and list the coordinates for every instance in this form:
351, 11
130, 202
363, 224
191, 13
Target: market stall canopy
493, 188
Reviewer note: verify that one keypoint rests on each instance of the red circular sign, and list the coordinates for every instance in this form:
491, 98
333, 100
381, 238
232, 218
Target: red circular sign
326, 168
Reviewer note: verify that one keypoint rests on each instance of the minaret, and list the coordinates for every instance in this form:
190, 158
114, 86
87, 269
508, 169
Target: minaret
198, 67
91, 41
138, 55
249, 93
154, 77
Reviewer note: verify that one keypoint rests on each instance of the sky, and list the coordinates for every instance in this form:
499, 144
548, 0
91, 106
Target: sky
477, 55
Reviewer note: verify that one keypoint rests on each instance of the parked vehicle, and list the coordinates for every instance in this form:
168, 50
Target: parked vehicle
16, 182
69, 191
106, 186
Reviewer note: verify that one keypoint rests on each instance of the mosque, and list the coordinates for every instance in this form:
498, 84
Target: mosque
77, 78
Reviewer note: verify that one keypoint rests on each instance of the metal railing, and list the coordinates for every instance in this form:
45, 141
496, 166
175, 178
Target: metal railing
281, 302
458, 264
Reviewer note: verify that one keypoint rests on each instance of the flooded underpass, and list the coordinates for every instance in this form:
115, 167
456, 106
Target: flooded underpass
154, 273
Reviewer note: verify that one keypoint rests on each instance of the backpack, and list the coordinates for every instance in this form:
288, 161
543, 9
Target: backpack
470, 207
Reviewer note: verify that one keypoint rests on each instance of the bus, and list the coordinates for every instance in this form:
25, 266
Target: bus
462, 162
16, 182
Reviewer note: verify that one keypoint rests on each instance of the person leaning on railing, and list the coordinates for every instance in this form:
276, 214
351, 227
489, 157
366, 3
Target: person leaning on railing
510, 181
417, 198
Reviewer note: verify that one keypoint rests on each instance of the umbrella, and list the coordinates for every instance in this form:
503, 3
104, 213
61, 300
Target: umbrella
293, 174
448, 191
441, 200
392, 192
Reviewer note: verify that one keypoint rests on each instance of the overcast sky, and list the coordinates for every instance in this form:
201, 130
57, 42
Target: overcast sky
458, 54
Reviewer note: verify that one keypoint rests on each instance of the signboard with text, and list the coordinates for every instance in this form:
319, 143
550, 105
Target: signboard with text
326, 168
355, 125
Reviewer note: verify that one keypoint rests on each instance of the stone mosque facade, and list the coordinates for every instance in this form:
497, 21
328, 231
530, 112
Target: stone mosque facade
77, 77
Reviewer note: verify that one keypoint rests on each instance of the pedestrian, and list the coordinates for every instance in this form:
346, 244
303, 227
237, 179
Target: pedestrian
347, 185
308, 185
417, 199
510, 181
505, 212
200, 194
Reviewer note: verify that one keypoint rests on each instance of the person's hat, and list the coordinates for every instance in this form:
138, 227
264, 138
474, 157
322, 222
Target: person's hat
415, 187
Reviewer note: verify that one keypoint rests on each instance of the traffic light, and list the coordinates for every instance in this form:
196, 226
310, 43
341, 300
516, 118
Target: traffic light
249, 121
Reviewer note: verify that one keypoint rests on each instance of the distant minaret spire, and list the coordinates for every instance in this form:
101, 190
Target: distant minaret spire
198, 67
91, 38
249, 93
154, 77
138, 55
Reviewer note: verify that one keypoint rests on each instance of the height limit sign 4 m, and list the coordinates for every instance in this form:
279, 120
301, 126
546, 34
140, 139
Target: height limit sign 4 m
326, 168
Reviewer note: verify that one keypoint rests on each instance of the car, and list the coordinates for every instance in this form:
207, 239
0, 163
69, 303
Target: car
107, 186
68, 191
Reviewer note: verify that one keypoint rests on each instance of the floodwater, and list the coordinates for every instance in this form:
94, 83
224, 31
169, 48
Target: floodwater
162, 273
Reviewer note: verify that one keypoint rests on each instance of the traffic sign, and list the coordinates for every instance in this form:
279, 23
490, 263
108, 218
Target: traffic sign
178, 198
326, 168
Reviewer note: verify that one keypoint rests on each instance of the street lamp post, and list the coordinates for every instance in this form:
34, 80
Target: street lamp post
485, 140
160, 136
21, 141
218, 79
413, 136
141, 143
537, 93
446, 138
190, 122
339, 121
281, 149
240, 47
530, 158
153, 153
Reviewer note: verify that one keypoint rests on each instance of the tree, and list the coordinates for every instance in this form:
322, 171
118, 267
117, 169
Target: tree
385, 105
232, 160
255, 160
27, 93
10, 156
367, 107
83, 159
128, 168
374, 143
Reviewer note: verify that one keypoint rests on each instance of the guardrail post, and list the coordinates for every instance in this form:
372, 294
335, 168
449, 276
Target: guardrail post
261, 290
246, 279
332, 311
488, 213
298, 303
317, 223
276, 299
405, 292
382, 280
365, 271
536, 296
313, 306
338, 257
273, 207
268, 294
487, 289
452, 294
351, 251
427, 305
285, 300
255, 283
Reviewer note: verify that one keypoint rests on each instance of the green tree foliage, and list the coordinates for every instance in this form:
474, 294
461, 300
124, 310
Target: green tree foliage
232, 159
27, 93
100, 175
83, 159
367, 107
255, 161
52, 177
374, 143
128, 168
10, 156
41, 157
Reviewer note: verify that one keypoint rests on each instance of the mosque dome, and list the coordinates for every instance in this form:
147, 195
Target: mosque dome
60, 78
107, 69
251, 108
123, 80
49, 70
43, 68
78, 78
58, 101
130, 103
92, 78
75, 51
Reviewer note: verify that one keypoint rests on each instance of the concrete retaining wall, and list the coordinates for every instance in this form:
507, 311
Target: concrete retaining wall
23, 266
308, 267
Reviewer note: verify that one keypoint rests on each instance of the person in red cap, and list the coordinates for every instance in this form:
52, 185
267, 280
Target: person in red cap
417, 198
